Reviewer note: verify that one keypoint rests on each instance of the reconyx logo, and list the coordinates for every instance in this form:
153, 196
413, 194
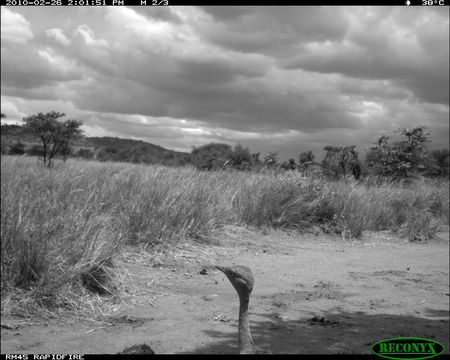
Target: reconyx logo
407, 348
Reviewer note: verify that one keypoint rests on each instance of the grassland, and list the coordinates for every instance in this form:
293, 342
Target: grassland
61, 228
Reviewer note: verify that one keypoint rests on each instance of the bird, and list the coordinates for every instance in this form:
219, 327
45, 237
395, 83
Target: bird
138, 349
241, 278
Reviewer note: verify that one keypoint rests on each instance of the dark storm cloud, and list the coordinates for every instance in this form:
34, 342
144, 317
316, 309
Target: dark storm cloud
275, 31
411, 58
258, 109
428, 80
158, 13
212, 72
227, 13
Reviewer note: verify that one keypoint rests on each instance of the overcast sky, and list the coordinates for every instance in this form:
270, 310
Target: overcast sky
286, 79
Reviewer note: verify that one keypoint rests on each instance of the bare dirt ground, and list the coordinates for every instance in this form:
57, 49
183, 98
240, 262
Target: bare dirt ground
313, 294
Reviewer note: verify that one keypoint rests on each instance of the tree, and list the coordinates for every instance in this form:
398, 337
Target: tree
330, 163
306, 160
69, 131
437, 163
211, 156
289, 165
255, 158
241, 158
271, 159
65, 151
340, 161
306, 157
400, 159
355, 164
55, 135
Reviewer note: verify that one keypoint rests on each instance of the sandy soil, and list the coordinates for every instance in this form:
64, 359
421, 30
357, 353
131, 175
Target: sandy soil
313, 294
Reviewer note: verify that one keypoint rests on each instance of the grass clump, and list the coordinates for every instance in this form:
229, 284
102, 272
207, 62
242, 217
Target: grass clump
51, 233
341, 207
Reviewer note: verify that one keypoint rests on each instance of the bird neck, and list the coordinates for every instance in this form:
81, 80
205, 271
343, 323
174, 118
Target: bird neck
245, 338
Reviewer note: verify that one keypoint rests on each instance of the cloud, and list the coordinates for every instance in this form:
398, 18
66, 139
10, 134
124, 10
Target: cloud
274, 31
24, 70
285, 79
16, 108
58, 35
14, 27
89, 37
163, 13
381, 45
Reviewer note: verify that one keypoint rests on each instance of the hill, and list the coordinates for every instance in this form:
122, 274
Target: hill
100, 148
135, 151
108, 141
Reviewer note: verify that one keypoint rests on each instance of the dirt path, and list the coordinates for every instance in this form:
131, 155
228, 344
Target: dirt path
313, 294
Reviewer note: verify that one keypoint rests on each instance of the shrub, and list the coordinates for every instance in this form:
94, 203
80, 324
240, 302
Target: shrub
85, 153
17, 148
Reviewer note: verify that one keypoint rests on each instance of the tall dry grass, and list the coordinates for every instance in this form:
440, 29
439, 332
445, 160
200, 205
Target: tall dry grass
62, 228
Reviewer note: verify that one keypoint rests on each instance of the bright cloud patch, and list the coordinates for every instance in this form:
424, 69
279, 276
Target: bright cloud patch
14, 27
89, 36
58, 35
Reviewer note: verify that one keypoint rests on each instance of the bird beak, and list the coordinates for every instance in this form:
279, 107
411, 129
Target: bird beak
221, 268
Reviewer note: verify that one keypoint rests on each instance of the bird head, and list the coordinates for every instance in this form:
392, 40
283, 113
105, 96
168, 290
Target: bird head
241, 277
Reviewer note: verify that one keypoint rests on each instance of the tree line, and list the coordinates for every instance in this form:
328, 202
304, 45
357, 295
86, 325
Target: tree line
399, 155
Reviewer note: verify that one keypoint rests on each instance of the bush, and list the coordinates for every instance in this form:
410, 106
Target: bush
85, 153
419, 226
17, 149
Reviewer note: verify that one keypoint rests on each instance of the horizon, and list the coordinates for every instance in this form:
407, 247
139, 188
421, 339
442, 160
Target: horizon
274, 79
